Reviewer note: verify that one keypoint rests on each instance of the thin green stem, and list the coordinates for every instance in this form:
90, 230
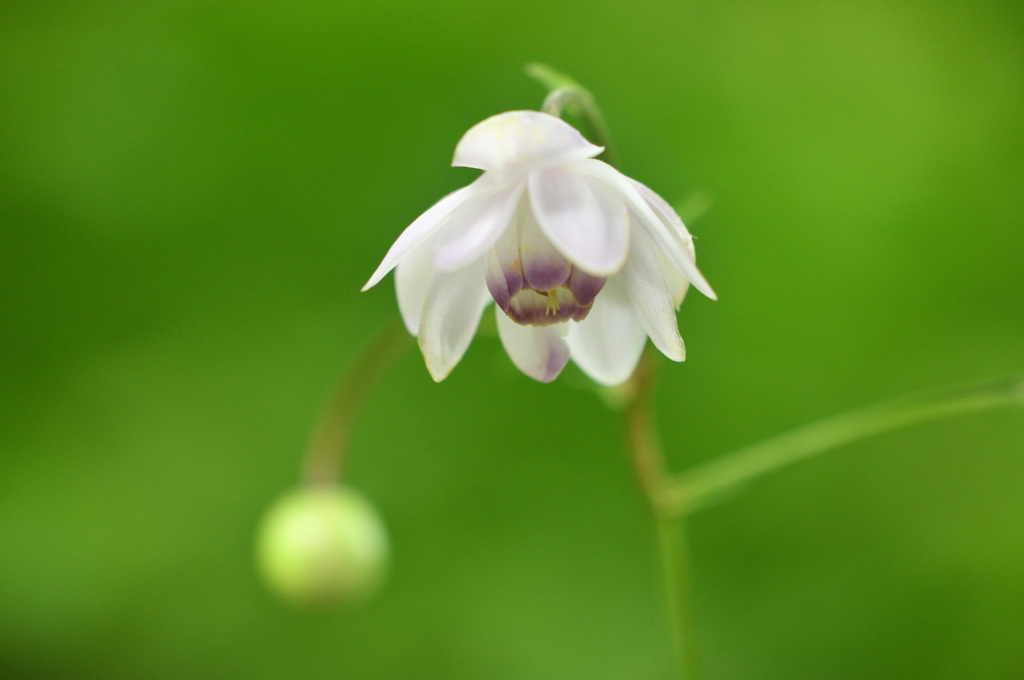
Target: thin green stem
654, 479
675, 566
565, 95
713, 481
330, 436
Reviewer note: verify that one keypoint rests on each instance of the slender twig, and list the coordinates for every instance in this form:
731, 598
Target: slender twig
711, 482
330, 435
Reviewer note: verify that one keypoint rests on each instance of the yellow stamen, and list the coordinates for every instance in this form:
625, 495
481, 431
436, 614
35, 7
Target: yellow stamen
552, 303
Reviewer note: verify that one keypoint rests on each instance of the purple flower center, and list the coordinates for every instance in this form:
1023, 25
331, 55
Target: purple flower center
532, 292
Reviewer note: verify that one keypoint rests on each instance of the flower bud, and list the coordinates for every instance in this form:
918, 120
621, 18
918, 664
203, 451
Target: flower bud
319, 547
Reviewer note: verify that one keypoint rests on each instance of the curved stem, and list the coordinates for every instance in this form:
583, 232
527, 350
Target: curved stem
330, 435
652, 474
565, 95
711, 482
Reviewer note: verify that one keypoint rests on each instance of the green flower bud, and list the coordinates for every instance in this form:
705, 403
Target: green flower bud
319, 547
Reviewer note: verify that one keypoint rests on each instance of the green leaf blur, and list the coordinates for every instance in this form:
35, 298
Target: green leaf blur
192, 193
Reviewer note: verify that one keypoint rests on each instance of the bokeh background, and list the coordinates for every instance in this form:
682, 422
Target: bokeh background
192, 193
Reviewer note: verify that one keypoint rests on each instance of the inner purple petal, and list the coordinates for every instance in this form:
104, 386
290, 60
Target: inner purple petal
504, 279
546, 272
534, 284
584, 286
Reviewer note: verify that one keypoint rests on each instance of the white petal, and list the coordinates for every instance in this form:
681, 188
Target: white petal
585, 220
672, 243
666, 212
519, 139
540, 353
650, 297
607, 344
451, 313
412, 278
476, 226
675, 282
423, 227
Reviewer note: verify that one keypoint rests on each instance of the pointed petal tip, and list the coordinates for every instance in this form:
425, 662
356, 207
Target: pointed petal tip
697, 280
383, 270
675, 350
438, 371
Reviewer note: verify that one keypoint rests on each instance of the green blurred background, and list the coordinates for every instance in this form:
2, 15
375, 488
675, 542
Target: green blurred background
192, 193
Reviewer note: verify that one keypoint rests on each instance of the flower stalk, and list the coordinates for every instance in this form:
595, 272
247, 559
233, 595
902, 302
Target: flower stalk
655, 480
327, 445
673, 498
565, 95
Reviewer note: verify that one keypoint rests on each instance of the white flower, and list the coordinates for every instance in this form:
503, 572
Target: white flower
583, 262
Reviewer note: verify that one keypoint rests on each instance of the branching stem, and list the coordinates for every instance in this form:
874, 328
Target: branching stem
722, 477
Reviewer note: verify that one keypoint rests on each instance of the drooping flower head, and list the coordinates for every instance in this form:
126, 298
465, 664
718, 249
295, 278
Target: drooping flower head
581, 261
